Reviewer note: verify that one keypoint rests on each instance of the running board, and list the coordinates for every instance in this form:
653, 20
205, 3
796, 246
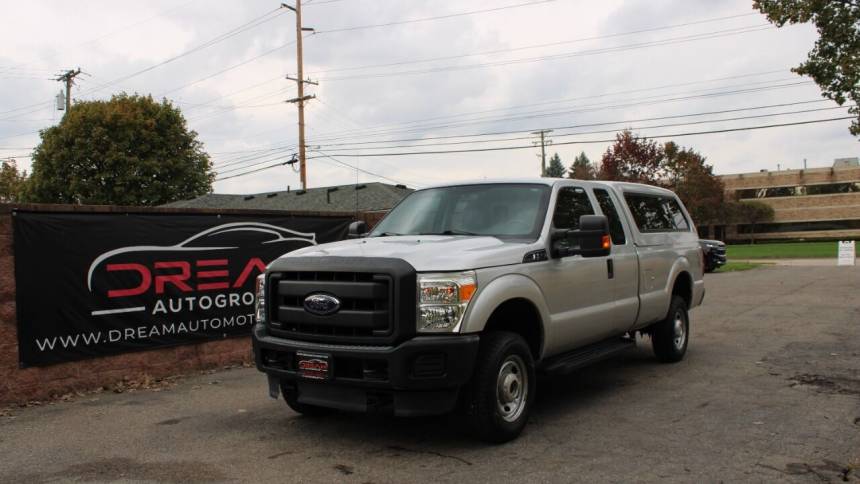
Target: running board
580, 357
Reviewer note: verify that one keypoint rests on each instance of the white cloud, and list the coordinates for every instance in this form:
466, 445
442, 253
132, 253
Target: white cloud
44, 37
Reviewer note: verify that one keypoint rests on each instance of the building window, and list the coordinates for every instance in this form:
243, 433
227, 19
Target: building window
799, 190
800, 226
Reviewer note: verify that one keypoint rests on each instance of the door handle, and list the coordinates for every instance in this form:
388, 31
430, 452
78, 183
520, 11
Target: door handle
610, 268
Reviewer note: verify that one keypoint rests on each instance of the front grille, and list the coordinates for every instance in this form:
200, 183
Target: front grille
366, 305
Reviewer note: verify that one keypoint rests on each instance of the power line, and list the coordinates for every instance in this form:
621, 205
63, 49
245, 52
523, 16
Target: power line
552, 102
637, 128
567, 55
428, 19
674, 135
579, 109
537, 46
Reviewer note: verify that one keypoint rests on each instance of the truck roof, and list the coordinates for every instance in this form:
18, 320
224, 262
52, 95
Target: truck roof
623, 186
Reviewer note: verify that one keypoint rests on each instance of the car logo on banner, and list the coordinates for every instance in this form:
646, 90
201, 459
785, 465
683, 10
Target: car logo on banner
211, 271
321, 304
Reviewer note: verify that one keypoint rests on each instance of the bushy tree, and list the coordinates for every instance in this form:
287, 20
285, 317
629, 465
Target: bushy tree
11, 181
751, 213
834, 61
632, 159
129, 150
582, 168
555, 168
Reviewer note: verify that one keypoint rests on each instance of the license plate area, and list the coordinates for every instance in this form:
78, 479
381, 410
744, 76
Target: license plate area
314, 366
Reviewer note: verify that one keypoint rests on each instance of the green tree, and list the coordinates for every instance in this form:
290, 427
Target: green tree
555, 168
129, 150
633, 159
11, 181
834, 61
751, 213
582, 168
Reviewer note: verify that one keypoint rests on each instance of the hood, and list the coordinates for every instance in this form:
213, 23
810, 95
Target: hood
427, 253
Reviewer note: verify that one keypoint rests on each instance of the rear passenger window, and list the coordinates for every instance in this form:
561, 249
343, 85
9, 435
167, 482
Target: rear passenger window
616, 228
677, 215
571, 204
656, 213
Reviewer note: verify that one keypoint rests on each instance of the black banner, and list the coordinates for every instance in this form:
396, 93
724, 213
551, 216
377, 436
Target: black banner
99, 284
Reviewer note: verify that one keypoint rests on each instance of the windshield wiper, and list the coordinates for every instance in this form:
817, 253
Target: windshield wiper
387, 234
449, 232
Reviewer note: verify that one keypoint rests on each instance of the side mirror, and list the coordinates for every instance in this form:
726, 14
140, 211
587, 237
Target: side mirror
590, 240
357, 230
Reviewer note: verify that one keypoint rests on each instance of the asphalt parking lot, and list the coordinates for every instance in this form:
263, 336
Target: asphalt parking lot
769, 391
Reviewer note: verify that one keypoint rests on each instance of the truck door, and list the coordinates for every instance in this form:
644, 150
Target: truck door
622, 262
579, 292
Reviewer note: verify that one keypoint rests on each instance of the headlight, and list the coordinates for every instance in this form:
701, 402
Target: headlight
443, 299
260, 300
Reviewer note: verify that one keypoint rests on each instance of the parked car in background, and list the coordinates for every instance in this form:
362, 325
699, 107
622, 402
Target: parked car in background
715, 254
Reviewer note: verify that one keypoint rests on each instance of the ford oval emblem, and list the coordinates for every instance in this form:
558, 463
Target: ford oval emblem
321, 304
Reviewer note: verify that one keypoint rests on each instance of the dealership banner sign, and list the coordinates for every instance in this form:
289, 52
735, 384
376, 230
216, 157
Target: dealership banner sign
95, 284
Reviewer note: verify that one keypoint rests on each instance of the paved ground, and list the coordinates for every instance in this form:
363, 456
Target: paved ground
769, 392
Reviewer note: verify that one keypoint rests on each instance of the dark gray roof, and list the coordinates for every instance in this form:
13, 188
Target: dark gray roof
364, 197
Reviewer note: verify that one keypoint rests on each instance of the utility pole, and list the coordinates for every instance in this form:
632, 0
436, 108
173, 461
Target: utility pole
544, 141
300, 83
69, 79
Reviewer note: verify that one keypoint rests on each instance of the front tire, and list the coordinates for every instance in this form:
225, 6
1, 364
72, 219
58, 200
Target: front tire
670, 337
499, 397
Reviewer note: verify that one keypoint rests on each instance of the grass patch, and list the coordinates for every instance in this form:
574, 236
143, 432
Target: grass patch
788, 250
738, 266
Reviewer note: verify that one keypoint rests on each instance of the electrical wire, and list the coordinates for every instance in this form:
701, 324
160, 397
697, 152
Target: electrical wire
428, 19
564, 143
536, 46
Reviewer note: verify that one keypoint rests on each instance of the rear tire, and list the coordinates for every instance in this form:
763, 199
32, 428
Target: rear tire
499, 397
292, 399
671, 336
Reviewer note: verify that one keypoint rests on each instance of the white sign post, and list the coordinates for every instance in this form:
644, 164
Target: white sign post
846, 253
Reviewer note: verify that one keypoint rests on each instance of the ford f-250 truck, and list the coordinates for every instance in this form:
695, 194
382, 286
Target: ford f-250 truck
463, 292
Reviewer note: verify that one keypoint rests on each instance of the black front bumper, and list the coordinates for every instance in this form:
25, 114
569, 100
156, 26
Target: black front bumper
420, 376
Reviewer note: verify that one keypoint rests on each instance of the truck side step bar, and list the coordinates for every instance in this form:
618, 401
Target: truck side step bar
580, 357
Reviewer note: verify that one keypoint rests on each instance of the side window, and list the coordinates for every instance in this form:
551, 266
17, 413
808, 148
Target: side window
571, 204
616, 228
677, 215
654, 213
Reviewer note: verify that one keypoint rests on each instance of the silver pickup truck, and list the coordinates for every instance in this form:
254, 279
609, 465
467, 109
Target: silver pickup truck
463, 292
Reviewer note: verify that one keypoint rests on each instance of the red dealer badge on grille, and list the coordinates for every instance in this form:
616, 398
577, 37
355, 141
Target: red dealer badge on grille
313, 366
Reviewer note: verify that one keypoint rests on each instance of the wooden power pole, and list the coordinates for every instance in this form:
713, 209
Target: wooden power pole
300, 83
543, 142
68, 78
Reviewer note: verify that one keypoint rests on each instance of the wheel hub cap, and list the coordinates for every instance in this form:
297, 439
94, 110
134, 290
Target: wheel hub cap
512, 388
680, 331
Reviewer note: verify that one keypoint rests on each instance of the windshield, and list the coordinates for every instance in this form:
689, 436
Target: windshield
508, 210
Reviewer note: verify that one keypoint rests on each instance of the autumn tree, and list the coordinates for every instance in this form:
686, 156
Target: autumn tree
129, 150
690, 177
582, 168
11, 181
555, 168
834, 61
633, 159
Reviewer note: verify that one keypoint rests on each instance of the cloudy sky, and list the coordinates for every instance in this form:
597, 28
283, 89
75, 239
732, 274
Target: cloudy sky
406, 76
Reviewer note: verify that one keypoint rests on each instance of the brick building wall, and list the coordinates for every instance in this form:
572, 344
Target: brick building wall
21, 385
799, 208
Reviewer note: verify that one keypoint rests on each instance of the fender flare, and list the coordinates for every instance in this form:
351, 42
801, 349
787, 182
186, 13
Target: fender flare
497, 292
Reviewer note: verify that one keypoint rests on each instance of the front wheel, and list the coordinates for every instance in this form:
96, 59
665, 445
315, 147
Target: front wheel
499, 397
670, 336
